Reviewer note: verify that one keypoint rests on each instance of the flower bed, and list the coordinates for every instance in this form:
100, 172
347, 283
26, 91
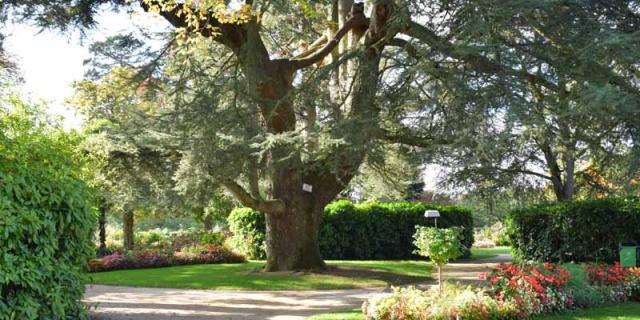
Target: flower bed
514, 292
157, 258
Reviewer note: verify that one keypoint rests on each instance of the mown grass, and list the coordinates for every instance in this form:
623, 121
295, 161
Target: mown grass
355, 314
247, 276
625, 311
486, 253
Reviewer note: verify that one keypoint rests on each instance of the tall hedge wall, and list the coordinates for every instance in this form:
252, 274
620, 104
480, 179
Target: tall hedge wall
574, 231
371, 230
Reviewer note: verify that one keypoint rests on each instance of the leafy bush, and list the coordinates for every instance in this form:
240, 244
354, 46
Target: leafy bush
371, 230
45, 219
574, 231
248, 228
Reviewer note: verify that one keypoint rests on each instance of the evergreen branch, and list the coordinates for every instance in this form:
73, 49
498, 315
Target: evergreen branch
404, 44
478, 62
410, 139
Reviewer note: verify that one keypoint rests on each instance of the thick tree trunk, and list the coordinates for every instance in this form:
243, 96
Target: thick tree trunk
127, 228
292, 240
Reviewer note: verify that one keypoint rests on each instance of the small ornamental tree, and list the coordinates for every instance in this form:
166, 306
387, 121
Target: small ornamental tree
440, 245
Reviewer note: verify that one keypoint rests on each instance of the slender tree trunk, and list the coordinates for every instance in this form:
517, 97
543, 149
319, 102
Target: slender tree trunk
127, 228
440, 279
102, 232
208, 223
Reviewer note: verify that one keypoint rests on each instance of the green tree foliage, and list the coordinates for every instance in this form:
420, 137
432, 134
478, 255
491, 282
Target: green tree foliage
439, 245
45, 217
387, 175
589, 230
565, 105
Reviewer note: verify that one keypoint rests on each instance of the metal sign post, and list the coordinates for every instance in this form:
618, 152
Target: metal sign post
435, 214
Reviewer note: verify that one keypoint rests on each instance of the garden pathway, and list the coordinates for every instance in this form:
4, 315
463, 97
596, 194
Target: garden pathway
127, 303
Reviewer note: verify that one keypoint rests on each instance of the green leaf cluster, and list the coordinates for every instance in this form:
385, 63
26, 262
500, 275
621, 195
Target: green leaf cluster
440, 245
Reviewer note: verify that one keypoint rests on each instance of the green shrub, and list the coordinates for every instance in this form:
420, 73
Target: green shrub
371, 230
248, 228
574, 231
46, 225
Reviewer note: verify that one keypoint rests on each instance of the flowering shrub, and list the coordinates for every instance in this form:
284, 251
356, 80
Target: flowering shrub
535, 289
206, 255
116, 261
517, 292
150, 259
454, 303
484, 244
610, 279
633, 284
155, 258
602, 274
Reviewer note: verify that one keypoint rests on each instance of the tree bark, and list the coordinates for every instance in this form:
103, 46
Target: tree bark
127, 228
208, 222
292, 239
102, 232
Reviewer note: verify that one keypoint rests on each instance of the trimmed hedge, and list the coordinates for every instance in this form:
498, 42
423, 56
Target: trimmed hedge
574, 231
370, 230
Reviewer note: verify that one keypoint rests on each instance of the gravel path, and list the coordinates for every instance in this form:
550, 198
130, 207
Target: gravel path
120, 303
127, 303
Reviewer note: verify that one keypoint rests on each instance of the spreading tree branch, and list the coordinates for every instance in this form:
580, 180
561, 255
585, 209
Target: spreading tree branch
265, 206
358, 21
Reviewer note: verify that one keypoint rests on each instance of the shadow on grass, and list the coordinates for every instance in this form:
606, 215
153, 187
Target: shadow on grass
390, 277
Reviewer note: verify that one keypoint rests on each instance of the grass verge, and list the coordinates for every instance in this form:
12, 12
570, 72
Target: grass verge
247, 276
625, 311
486, 253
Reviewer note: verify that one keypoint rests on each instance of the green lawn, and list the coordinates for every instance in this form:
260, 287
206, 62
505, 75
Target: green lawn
626, 311
246, 276
485, 253
355, 314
